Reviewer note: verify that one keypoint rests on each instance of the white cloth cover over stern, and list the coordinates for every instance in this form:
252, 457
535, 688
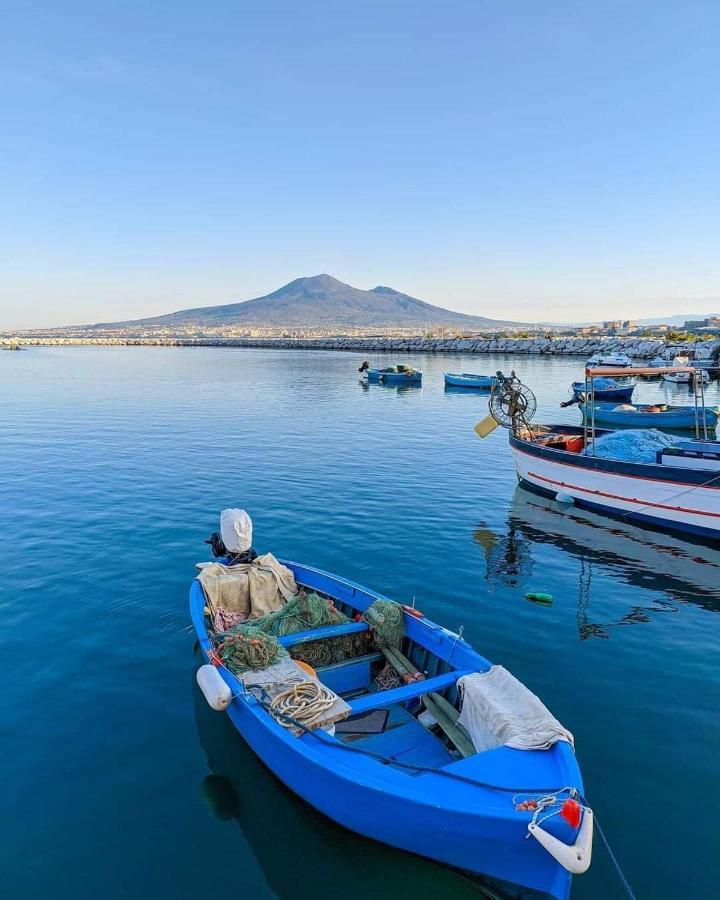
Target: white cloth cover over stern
236, 530
498, 710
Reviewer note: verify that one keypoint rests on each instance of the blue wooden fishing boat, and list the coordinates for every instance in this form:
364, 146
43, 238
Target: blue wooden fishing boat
394, 375
653, 415
606, 389
406, 783
468, 380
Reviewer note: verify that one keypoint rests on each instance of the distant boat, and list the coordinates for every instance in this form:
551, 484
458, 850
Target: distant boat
468, 380
396, 375
385, 772
652, 415
605, 389
610, 360
684, 377
12, 345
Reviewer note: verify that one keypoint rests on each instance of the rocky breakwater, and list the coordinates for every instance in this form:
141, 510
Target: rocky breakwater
637, 348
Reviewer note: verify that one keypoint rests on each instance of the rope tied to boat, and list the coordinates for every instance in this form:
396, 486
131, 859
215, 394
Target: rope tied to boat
303, 702
570, 808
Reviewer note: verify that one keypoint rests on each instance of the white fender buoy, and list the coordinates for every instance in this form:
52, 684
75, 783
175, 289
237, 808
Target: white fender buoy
564, 498
215, 691
576, 857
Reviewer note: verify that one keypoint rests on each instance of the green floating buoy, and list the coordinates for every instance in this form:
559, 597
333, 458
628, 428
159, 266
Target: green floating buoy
539, 597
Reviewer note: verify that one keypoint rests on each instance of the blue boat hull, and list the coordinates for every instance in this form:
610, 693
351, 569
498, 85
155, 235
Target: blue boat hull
471, 826
377, 376
679, 418
484, 382
621, 394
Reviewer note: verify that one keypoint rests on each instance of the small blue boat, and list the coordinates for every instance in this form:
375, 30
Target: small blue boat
394, 375
402, 781
468, 380
606, 389
653, 415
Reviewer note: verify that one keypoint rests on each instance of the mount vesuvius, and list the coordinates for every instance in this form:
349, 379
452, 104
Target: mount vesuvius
320, 301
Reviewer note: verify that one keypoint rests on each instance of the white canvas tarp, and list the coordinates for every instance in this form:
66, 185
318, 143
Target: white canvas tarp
498, 710
251, 589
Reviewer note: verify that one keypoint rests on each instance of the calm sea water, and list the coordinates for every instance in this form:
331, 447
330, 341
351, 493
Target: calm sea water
114, 463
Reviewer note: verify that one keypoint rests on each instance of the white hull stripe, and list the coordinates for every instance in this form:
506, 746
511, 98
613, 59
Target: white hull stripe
575, 487
709, 486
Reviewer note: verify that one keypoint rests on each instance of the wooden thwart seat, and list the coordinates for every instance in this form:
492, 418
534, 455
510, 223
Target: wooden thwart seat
380, 699
318, 634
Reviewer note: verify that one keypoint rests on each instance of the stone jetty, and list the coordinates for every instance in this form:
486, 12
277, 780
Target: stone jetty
638, 348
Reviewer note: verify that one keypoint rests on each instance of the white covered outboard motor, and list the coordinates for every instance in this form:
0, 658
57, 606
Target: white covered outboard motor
234, 539
236, 530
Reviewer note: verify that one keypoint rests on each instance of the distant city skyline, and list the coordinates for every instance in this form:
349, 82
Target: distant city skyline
534, 162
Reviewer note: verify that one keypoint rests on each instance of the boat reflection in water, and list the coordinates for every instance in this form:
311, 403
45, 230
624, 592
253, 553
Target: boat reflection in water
304, 855
389, 388
682, 570
508, 559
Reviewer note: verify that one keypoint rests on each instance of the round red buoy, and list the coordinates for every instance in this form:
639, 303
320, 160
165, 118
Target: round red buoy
571, 812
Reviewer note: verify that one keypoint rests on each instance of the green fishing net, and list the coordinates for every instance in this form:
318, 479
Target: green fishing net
247, 648
385, 617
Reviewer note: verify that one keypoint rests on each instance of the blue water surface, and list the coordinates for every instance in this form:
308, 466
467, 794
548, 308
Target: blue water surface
114, 463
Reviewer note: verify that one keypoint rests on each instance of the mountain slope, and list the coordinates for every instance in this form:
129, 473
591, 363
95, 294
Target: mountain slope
318, 301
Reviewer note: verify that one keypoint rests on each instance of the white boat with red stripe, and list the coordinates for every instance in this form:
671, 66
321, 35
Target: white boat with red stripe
679, 491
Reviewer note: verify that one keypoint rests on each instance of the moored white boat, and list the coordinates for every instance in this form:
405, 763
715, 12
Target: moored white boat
609, 360
676, 489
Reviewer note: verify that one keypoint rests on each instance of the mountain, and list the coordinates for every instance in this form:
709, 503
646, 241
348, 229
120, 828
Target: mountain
678, 321
320, 301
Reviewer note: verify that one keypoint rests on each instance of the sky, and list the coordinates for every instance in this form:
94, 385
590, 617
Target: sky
510, 158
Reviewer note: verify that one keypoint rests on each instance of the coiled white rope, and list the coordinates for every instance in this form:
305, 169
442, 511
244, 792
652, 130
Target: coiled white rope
305, 701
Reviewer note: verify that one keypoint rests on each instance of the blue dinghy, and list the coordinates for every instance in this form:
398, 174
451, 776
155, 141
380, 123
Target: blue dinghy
412, 778
468, 380
394, 375
606, 389
653, 416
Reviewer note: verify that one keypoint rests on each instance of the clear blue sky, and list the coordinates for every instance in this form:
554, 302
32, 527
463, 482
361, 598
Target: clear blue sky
515, 158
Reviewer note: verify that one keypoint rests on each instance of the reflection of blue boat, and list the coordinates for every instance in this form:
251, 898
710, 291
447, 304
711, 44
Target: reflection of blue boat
606, 389
394, 375
402, 783
653, 416
468, 380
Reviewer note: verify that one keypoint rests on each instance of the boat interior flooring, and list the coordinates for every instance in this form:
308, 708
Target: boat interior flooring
403, 739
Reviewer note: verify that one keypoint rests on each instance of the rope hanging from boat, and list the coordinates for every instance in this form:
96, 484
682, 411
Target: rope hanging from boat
385, 617
304, 702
